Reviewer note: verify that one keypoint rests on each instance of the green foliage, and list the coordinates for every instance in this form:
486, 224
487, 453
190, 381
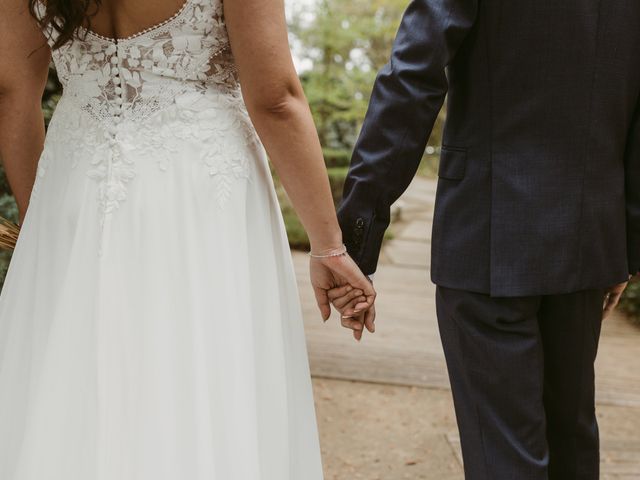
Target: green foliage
298, 238
337, 157
337, 177
631, 301
342, 46
8, 210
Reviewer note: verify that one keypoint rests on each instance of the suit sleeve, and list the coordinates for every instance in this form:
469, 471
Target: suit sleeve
632, 173
406, 99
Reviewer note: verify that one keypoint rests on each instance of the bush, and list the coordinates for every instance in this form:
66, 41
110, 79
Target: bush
337, 177
298, 238
8, 210
337, 158
631, 301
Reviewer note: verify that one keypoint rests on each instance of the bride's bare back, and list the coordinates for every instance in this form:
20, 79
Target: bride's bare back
122, 18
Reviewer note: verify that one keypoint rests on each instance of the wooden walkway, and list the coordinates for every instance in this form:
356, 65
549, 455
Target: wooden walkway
406, 348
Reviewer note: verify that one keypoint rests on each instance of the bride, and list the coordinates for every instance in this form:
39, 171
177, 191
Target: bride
150, 325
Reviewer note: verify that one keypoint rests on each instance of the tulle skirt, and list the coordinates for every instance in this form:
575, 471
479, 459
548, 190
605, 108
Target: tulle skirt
150, 326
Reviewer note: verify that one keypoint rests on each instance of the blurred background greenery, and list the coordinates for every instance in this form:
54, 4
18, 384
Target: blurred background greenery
631, 301
339, 47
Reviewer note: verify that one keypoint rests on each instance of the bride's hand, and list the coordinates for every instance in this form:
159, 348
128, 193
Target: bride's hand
329, 273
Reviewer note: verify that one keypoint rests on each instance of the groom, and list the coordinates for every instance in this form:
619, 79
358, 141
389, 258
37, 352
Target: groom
537, 212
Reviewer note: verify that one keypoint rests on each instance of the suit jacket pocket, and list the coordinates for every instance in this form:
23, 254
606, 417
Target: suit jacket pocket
453, 163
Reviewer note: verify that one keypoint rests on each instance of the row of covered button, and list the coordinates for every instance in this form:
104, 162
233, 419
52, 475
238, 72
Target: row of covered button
116, 108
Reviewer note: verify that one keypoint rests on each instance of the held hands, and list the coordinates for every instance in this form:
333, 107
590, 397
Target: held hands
337, 280
612, 298
345, 300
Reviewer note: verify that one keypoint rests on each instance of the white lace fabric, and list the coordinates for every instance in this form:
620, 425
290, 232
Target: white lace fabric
151, 96
141, 74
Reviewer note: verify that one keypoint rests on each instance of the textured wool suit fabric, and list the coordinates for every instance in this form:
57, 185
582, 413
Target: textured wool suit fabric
539, 189
522, 376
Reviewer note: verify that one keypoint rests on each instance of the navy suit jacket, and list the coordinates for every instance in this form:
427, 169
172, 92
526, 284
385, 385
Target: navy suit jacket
539, 178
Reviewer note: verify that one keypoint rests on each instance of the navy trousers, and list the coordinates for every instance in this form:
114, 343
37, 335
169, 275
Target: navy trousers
522, 376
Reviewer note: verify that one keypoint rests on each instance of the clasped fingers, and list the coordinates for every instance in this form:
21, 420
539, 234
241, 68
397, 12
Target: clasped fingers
357, 311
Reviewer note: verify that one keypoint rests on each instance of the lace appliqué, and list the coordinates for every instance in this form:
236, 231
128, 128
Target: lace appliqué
189, 52
145, 94
216, 126
113, 171
43, 165
222, 124
218, 123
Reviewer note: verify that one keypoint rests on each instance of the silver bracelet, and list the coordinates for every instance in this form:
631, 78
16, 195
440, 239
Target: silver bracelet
330, 255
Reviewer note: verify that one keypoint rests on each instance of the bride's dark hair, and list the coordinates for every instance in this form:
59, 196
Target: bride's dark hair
64, 16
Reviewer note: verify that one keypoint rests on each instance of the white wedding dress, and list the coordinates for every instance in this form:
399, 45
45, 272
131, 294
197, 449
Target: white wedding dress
150, 327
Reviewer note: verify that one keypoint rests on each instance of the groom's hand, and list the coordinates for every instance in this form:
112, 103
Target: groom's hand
347, 300
362, 320
354, 312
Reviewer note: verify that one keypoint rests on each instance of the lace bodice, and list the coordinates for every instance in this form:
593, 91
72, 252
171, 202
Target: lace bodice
168, 96
137, 76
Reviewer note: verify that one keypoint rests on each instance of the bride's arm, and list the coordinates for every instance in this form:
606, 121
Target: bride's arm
281, 115
24, 62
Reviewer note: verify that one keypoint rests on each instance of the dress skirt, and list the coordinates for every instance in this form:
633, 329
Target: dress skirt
150, 326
